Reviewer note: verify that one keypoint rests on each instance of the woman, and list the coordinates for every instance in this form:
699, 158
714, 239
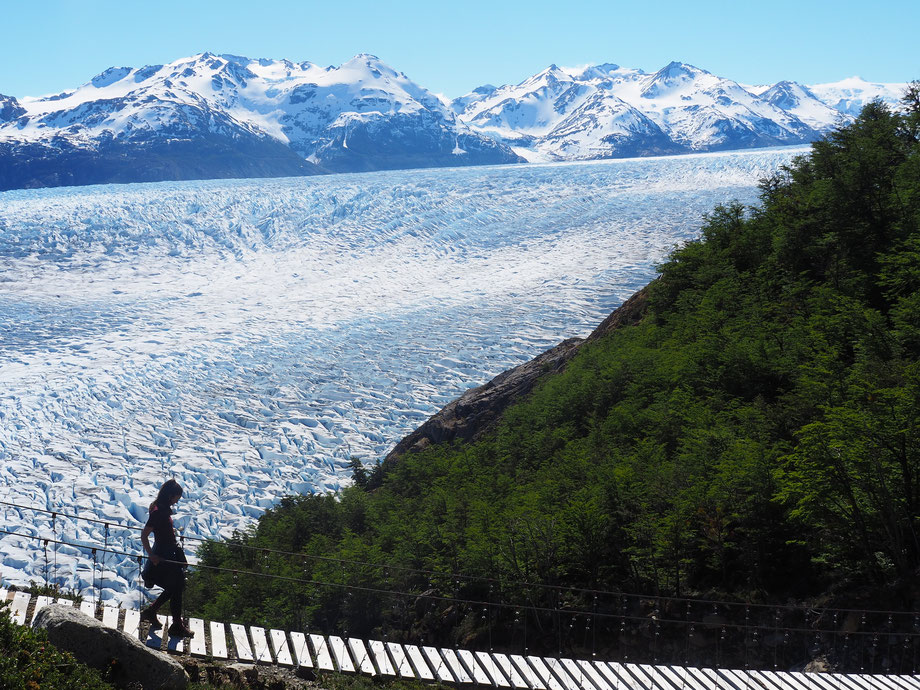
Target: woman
166, 564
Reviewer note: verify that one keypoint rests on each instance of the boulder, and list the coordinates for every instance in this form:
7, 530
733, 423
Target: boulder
123, 658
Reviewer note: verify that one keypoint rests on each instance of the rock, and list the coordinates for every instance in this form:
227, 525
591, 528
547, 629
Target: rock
479, 410
239, 675
124, 659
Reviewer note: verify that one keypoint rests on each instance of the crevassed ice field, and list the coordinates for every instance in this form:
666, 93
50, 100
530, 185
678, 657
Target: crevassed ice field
248, 337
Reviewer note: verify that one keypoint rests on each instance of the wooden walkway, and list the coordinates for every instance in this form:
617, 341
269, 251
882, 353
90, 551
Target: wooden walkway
256, 645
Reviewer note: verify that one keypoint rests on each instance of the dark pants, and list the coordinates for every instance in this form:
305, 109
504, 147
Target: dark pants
171, 578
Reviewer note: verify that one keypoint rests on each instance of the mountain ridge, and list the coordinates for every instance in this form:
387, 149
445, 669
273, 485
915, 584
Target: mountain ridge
249, 118
217, 116
556, 114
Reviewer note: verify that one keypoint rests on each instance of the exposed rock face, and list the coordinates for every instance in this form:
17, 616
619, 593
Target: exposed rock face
204, 156
480, 409
95, 645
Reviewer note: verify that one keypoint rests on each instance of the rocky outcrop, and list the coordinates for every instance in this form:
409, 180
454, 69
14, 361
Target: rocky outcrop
247, 676
480, 409
124, 659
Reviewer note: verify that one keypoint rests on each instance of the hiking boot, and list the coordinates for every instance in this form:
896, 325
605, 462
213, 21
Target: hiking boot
150, 616
180, 629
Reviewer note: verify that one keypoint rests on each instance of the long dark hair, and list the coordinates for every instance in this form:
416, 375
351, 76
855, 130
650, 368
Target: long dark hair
169, 489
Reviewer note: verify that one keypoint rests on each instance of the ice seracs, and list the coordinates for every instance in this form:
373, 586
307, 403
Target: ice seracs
248, 337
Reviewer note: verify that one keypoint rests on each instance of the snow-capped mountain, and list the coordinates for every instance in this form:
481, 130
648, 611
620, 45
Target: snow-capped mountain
850, 95
610, 111
801, 102
223, 115
210, 116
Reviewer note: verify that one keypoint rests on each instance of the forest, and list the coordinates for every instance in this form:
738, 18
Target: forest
755, 438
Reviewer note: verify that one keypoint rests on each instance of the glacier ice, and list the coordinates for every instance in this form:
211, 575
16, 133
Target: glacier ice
250, 336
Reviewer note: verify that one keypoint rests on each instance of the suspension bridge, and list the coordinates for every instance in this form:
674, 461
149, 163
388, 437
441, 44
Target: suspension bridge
887, 638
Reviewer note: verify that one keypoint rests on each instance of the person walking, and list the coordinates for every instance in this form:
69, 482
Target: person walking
166, 564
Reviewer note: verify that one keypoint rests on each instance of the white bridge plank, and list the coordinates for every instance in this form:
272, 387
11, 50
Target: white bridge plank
825, 681
512, 673
260, 645
616, 676
280, 647
682, 678
480, 677
19, 607
594, 676
301, 651
739, 679
453, 663
402, 662
340, 651
490, 666
770, 682
911, 682
381, 659
641, 678
173, 643
577, 674
40, 603
559, 671
241, 642
528, 672
794, 682
154, 637
88, 607
890, 682
132, 623
218, 640
544, 674
438, 665
361, 656
418, 662
714, 678
110, 617
197, 645
321, 651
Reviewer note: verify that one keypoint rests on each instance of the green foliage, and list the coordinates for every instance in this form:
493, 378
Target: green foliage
54, 591
760, 421
29, 661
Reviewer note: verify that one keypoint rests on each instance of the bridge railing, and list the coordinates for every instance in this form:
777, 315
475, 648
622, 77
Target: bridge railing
532, 618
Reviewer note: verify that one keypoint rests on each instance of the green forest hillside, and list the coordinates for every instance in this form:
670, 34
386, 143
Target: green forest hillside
755, 437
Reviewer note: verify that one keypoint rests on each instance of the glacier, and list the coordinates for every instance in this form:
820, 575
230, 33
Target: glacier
250, 337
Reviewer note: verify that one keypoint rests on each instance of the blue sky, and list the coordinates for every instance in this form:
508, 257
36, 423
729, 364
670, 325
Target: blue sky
451, 48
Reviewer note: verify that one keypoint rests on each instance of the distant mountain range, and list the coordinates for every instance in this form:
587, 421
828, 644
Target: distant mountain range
607, 111
218, 116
